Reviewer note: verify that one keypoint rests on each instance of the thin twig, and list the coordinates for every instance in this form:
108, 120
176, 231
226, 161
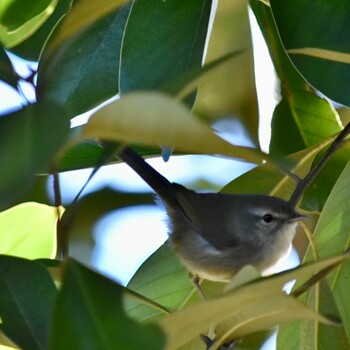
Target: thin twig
303, 184
313, 280
62, 241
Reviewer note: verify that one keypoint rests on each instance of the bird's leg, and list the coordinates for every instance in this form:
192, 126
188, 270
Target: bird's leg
196, 281
226, 346
209, 339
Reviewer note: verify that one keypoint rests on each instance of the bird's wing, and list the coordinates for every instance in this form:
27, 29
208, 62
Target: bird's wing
210, 215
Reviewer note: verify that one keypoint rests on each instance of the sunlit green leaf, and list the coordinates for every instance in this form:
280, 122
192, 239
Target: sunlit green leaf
19, 20
4, 347
154, 119
28, 230
248, 309
6, 343
31, 48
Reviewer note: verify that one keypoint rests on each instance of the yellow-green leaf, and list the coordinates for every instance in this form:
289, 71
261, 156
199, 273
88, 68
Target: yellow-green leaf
155, 119
28, 230
322, 53
247, 309
19, 25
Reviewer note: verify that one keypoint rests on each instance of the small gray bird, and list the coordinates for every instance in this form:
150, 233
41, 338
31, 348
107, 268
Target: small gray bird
216, 234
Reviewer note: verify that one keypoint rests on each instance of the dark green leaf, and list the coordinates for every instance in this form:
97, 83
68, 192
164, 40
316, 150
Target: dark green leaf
18, 12
27, 295
162, 40
285, 135
83, 155
322, 25
7, 72
29, 139
187, 82
89, 315
317, 194
87, 154
83, 71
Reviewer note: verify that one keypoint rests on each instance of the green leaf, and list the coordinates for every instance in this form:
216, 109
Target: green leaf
82, 14
162, 40
163, 279
331, 236
89, 315
230, 90
295, 118
82, 155
312, 334
19, 20
314, 35
27, 295
332, 231
187, 82
29, 139
5, 347
28, 230
7, 72
31, 48
245, 310
322, 186
300, 109
83, 71
270, 179
155, 119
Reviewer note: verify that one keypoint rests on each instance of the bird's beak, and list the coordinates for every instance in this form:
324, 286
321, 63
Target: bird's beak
298, 217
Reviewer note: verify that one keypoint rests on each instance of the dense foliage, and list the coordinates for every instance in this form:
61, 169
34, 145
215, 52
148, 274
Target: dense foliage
150, 54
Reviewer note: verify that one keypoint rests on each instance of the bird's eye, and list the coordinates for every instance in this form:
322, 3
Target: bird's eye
267, 218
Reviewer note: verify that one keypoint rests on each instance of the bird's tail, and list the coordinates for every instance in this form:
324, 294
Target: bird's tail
155, 180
